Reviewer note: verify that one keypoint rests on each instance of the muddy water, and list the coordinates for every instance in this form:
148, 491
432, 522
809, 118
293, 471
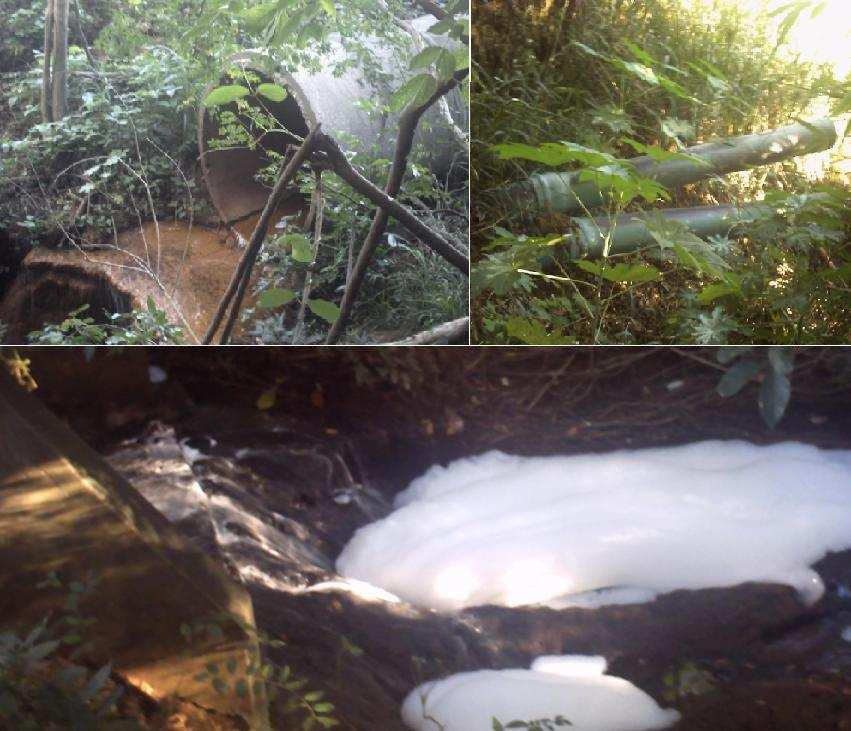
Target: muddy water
277, 503
186, 270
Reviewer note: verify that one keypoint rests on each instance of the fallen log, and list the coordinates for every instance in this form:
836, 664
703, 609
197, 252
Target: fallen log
454, 332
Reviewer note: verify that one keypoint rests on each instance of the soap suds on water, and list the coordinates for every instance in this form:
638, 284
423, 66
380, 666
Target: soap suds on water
571, 686
590, 530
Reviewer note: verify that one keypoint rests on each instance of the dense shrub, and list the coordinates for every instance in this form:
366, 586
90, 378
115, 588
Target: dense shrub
663, 73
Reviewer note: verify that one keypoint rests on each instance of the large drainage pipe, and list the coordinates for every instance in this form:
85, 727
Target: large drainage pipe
332, 100
565, 193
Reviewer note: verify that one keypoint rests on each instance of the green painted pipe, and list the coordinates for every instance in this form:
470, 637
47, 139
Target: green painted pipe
564, 193
628, 232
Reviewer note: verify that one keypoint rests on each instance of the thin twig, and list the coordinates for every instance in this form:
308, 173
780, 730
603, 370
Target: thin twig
319, 207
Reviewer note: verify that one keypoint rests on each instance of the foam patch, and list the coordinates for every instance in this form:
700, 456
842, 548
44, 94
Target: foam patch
512, 531
573, 687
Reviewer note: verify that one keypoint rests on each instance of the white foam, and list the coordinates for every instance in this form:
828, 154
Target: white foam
573, 687
510, 530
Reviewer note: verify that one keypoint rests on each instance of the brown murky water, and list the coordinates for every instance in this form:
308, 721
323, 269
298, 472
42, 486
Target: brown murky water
186, 270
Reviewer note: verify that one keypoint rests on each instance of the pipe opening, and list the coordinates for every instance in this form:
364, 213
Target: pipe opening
231, 175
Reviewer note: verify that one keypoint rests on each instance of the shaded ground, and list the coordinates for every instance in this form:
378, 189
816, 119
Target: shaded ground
359, 424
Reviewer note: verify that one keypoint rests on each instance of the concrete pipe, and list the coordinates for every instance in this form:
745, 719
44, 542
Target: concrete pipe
564, 193
330, 99
629, 231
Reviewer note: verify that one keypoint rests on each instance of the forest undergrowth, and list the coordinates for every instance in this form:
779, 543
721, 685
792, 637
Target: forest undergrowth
584, 87
126, 153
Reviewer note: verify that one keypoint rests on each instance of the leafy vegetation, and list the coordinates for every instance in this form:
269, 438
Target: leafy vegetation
590, 86
126, 151
138, 327
541, 724
771, 367
278, 684
37, 692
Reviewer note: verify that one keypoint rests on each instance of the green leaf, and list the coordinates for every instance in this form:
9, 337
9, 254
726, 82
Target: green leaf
96, 683
737, 377
495, 272
225, 95
328, 7
782, 359
590, 51
462, 58
613, 117
553, 154
589, 266
659, 154
427, 57
301, 248
414, 92
287, 26
691, 251
631, 273
843, 105
534, 332
674, 88
273, 92
774, 395
220, 686
712, 292
328, 311
274, 298
640, 54
257, 17
42, 650
728, 353
645, 73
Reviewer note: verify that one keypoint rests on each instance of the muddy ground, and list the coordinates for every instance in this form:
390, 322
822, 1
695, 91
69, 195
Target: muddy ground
362, 423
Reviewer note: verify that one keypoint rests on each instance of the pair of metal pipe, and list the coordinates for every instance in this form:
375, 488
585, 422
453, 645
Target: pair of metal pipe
553, 192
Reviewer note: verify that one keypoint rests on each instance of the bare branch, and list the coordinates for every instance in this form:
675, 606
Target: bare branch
319, 207
404, 141
239, 281
452, 332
